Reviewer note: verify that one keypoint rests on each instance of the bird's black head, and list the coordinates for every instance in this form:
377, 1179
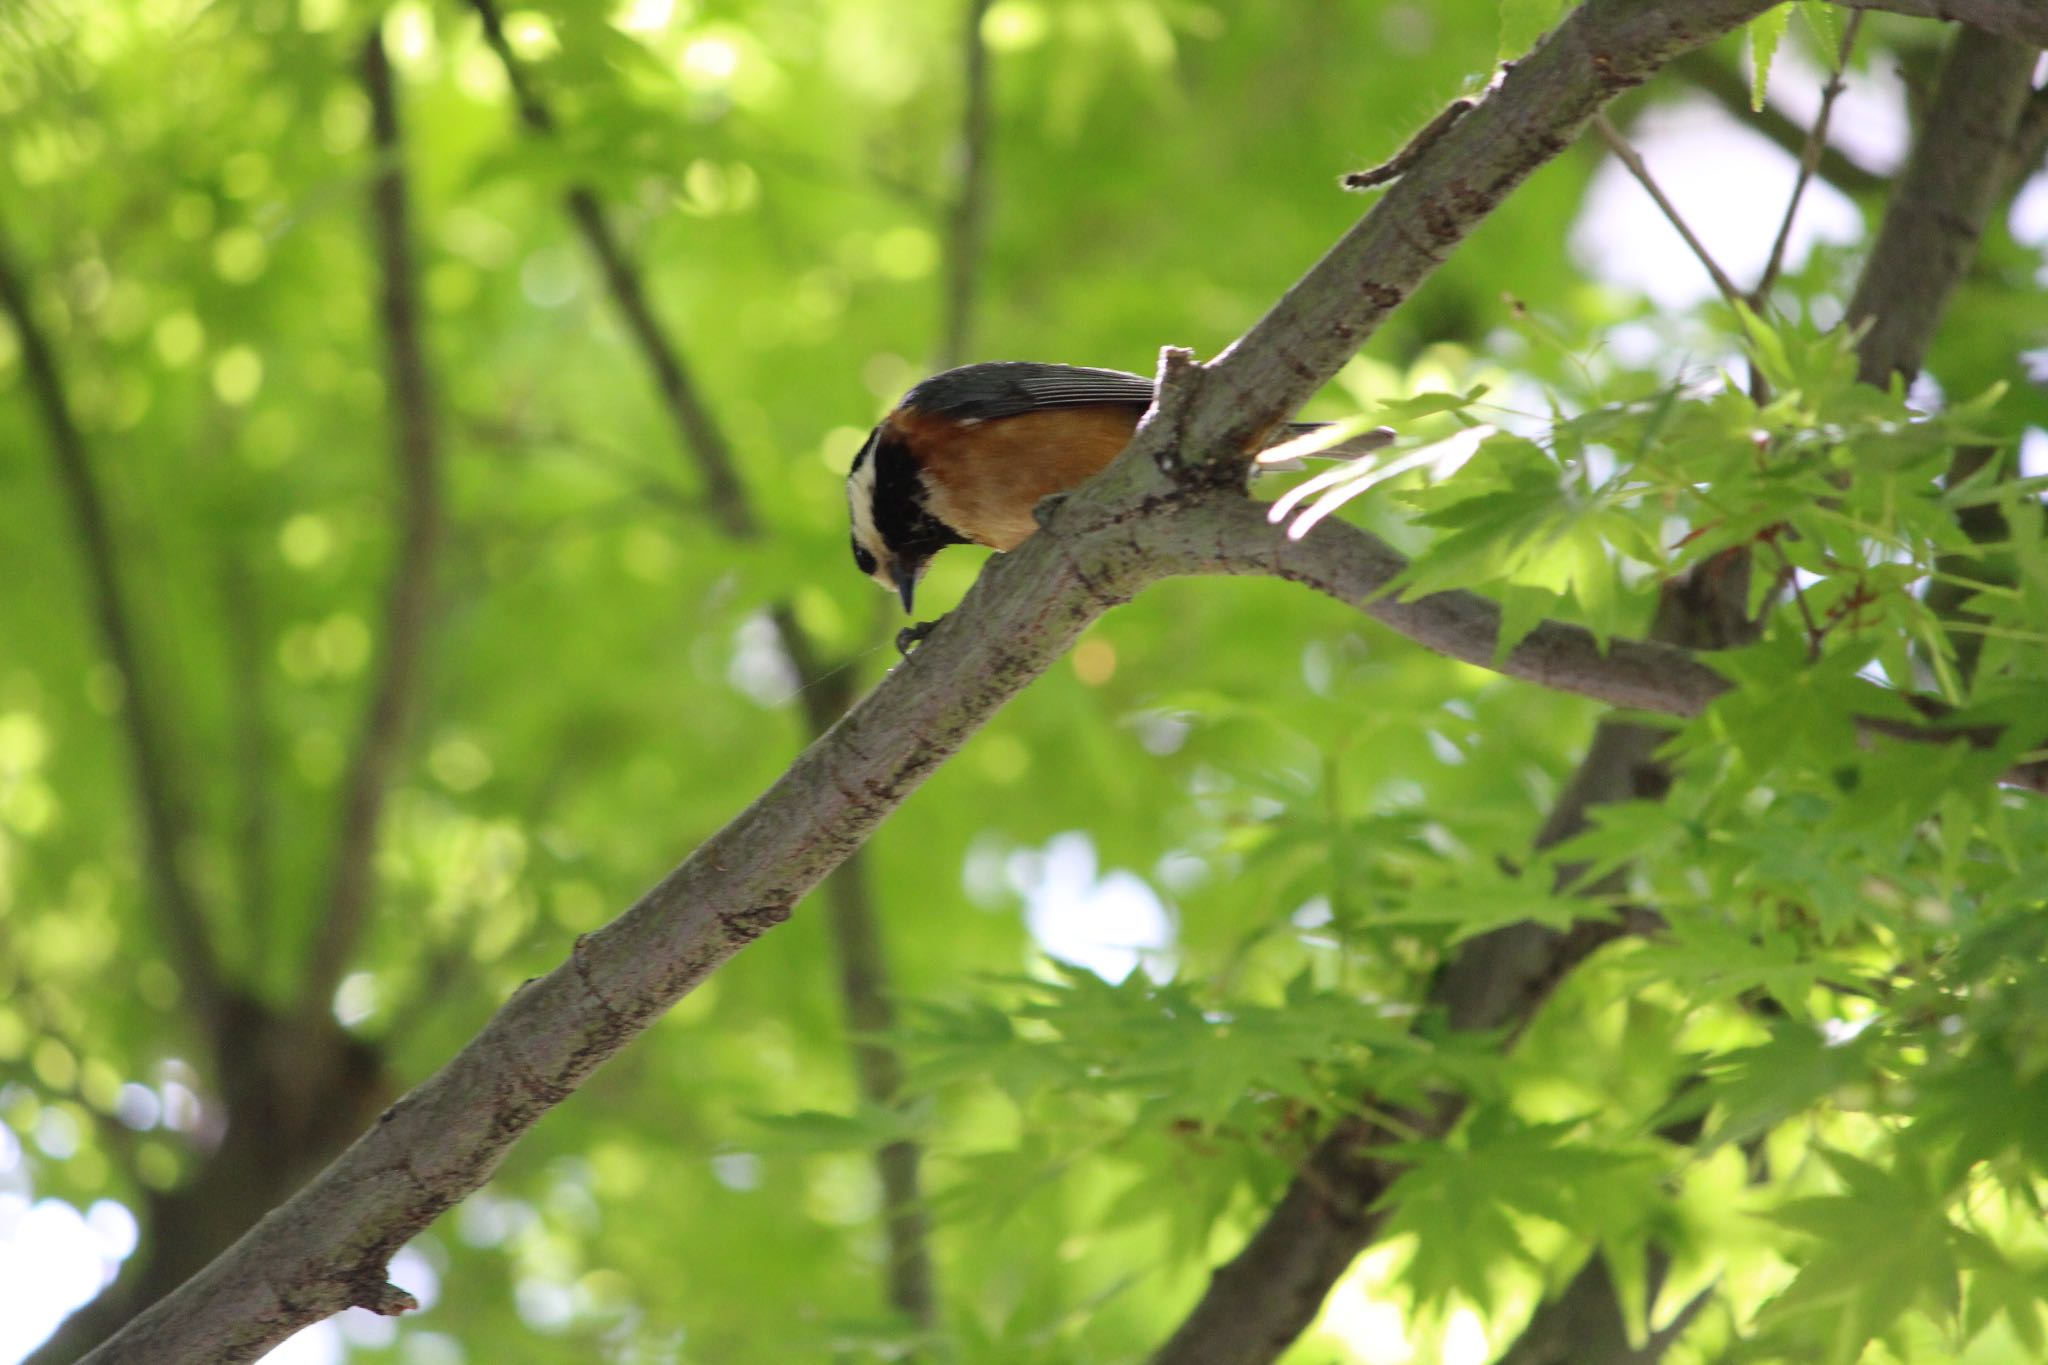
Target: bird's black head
894, 535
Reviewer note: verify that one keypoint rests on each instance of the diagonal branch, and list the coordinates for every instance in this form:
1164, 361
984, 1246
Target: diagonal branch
161, 808
408, 603
326, 1248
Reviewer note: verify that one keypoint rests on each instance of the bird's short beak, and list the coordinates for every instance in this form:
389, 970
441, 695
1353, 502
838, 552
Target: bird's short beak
906, 586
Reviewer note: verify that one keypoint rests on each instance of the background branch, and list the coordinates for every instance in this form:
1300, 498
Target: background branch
160, 807
966, 217
255, 846
1943, 199
1983, 136
856, 928
409, 595
857, 937
2019, 20
685, 406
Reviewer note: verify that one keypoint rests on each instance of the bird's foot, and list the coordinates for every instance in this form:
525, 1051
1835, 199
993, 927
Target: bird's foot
910, 637
1046, 507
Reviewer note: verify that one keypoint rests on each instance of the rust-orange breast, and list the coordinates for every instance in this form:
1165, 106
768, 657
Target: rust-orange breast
983, 480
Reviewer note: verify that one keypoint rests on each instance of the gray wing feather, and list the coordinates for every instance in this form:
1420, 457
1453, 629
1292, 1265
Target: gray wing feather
1008, 388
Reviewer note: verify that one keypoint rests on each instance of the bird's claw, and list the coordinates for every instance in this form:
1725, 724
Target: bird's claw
910, 637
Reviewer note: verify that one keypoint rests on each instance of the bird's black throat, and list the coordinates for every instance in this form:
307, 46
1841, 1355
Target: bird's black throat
910, 531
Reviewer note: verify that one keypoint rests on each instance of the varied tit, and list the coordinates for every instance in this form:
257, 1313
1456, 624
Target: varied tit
968, 453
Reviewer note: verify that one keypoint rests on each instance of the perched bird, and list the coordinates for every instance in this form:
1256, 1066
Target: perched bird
968, 453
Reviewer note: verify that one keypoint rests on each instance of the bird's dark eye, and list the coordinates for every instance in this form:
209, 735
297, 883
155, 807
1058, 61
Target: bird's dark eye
862, 560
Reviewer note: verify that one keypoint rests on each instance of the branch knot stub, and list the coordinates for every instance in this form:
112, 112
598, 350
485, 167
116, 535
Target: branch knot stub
373, 1292
1178, 383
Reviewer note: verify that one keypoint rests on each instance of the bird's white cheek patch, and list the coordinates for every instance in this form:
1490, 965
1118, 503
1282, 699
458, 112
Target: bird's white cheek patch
860, 498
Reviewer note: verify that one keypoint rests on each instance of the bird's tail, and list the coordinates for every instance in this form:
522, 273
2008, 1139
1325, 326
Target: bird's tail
1284, 457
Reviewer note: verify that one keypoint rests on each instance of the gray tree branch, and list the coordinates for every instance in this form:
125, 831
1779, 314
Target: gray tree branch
161, 807
409, 594
326, 1247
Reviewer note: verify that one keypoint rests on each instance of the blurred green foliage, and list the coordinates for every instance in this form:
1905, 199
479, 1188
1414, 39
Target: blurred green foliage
1324, 810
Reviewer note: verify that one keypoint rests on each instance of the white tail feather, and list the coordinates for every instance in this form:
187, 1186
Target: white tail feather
1334, 441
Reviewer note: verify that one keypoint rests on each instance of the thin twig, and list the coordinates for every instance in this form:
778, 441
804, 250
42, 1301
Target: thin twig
969, 211
409, 596
1809, 159
1713, 77
1633, 162
700, 432
160, 807
1816, 633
